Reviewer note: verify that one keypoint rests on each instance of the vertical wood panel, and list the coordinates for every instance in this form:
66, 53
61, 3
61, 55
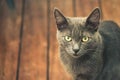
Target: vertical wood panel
111, 10
48, 42
33, 56
84, 7
9, 39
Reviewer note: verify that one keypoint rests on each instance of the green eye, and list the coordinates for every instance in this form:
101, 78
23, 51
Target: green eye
85, 39
68, 38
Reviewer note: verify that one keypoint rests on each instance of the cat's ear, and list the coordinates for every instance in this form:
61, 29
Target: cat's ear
93, 20
60, 19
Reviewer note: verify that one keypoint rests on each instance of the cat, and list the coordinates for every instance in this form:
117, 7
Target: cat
89, 48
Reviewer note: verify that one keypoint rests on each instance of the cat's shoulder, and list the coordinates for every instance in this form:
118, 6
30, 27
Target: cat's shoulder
109, 27
109, 24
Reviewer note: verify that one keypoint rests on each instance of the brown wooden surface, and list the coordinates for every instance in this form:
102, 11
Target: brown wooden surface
10, 22
34, 42
33, 56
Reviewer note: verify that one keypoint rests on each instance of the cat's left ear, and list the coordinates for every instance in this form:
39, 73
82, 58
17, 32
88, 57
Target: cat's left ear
93, 20
61, 20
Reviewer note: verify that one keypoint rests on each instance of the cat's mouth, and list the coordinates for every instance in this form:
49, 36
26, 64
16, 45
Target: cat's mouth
82, 53
78, 54
75, 55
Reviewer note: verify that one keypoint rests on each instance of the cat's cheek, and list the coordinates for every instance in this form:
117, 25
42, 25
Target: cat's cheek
93, 45
61, 42
69, 50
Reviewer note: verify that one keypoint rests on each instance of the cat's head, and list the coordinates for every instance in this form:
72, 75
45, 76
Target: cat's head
77, 35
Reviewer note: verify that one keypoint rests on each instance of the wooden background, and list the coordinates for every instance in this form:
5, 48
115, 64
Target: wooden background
25, 57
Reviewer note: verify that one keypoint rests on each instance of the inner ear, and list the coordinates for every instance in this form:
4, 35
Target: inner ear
61, 21
93, 19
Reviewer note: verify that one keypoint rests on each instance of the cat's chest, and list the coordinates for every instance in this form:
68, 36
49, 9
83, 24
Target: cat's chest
79, 68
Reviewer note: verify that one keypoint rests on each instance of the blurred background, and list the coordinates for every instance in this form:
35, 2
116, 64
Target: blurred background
28, 45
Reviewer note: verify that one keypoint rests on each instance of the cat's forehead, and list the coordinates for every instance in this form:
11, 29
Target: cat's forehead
76, 21
76, 25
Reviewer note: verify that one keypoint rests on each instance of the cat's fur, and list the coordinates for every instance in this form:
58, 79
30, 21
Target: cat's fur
96, 59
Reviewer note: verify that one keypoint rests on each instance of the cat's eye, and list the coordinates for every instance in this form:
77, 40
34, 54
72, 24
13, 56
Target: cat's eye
85, 39
68, 38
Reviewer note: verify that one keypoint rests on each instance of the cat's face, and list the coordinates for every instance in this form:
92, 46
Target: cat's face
77, 36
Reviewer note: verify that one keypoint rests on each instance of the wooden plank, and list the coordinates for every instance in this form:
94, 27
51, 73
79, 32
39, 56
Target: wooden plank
33, 56
84, 7
10, 21
111, 10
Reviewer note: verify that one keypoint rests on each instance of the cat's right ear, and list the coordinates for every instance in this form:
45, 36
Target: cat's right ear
60, 19
93, 20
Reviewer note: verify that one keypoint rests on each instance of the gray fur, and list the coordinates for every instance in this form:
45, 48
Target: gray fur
95, 59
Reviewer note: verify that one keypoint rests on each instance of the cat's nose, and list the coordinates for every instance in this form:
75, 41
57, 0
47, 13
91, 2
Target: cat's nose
76, 50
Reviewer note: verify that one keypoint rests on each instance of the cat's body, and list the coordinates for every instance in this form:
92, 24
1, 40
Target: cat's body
89, 49
110, 33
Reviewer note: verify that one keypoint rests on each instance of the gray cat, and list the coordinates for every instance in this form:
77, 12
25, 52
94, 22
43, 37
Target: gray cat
89, 48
